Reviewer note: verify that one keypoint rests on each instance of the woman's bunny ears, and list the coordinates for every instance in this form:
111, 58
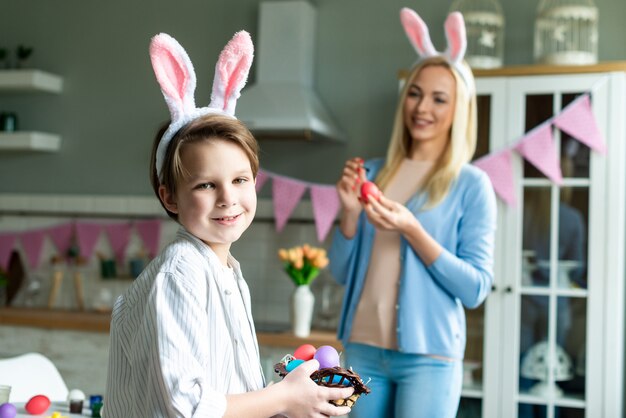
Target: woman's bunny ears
417, 32
177, 79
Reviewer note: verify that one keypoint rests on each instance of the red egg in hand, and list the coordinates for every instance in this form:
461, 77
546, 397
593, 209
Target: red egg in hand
304, 352
369, 188
37, 405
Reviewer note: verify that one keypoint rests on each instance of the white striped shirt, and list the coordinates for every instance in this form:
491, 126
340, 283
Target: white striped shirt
182, 337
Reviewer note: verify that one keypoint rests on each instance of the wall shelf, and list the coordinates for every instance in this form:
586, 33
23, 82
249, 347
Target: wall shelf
30, 81
29, 141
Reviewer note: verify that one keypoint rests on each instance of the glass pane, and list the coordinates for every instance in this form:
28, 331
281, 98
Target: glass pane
470, 408
533, 335
569, 413
575, 156
536, 238
483, 120
539, 108
571, 336
473, 361
532, 411
573, 215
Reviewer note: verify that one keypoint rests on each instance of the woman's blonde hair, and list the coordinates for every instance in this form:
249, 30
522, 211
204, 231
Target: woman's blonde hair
210, 127
457, 152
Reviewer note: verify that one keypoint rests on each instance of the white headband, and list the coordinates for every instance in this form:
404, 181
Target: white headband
177, 79
417, 32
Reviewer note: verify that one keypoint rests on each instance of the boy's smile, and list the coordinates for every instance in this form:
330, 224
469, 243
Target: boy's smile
216, 198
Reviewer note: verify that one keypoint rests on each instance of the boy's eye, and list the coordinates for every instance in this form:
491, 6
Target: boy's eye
240, 180
206, 186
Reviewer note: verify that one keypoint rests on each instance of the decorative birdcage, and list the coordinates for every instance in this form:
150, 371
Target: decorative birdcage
566, 32
484, 24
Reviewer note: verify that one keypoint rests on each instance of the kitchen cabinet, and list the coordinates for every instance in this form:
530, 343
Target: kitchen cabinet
557, 305
29, 81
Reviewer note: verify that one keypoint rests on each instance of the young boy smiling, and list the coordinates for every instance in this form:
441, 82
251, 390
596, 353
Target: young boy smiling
183, 342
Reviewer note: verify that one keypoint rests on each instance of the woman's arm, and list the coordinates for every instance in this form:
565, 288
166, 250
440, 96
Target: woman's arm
466, 273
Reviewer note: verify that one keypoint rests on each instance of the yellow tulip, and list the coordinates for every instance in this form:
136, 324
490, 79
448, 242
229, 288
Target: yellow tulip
283, 255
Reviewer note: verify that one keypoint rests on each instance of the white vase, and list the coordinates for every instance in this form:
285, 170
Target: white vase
302, 302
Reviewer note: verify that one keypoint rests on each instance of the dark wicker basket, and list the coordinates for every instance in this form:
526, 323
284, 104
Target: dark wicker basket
326, 377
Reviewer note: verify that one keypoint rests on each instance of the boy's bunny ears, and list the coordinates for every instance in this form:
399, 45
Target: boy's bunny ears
417, 32
175, 74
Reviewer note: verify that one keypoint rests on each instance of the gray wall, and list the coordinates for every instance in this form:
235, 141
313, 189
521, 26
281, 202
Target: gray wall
111, 106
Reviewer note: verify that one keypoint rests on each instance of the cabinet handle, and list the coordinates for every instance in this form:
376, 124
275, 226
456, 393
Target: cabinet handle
493, 288
508, 289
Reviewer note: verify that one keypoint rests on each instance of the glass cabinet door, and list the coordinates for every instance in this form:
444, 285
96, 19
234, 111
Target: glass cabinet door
553, 281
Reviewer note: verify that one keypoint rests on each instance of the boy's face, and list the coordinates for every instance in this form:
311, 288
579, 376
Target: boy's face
216, 201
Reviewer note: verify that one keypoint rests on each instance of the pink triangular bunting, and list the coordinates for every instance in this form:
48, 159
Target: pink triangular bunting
286, 194
32, 244
61, 236
578, 121
261, 178
500, 171
150, 233
326, 204
87, 234
537, 146
7, 242
119, 236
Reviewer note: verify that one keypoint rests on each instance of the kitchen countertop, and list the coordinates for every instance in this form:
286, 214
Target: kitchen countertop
93, 321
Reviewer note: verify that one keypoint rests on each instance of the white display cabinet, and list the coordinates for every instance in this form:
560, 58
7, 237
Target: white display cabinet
548, 341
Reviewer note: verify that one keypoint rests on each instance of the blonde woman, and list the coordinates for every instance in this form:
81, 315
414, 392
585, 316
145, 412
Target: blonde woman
414, 258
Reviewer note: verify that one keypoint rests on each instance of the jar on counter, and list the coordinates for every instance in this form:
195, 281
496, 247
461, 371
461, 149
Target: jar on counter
8, 121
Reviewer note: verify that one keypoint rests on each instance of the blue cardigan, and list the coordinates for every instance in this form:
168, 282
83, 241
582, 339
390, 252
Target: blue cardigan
431, 319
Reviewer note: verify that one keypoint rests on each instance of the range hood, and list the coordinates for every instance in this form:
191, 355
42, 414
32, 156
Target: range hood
282, 104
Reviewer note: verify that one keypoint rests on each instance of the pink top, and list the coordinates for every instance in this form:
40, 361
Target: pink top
375, 318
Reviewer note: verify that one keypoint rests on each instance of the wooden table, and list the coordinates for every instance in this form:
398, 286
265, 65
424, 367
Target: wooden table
100, 321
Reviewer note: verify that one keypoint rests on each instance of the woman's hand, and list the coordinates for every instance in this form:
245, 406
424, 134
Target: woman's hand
349, 185
348, 188
388, 215
307, 399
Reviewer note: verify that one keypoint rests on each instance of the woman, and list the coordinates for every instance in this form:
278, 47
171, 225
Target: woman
411, 260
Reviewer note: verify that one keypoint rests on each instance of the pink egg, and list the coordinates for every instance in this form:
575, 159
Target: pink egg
7, 410
38, 404
304, 352
327, 356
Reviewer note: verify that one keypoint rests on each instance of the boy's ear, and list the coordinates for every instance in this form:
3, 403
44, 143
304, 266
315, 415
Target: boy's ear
168, 199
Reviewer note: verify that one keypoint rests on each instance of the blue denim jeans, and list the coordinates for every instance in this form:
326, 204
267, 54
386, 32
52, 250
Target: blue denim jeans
404, 385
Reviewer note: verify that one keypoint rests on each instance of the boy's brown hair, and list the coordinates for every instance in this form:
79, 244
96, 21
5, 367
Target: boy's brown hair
206, 128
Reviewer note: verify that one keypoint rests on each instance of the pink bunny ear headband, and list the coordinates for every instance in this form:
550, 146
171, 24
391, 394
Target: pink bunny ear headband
177, 80
417, 32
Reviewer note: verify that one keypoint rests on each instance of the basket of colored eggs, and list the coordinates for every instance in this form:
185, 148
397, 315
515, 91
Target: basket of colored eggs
329, 374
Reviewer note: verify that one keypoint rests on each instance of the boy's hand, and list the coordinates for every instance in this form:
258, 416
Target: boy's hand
306, 399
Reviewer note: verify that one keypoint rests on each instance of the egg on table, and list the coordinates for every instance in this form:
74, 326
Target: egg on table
38, 404
8, 410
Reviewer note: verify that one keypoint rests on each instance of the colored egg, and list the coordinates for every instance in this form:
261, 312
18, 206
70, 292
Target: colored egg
8, 410
327, 356
293, 364
38, 404
369, 189
304, 352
